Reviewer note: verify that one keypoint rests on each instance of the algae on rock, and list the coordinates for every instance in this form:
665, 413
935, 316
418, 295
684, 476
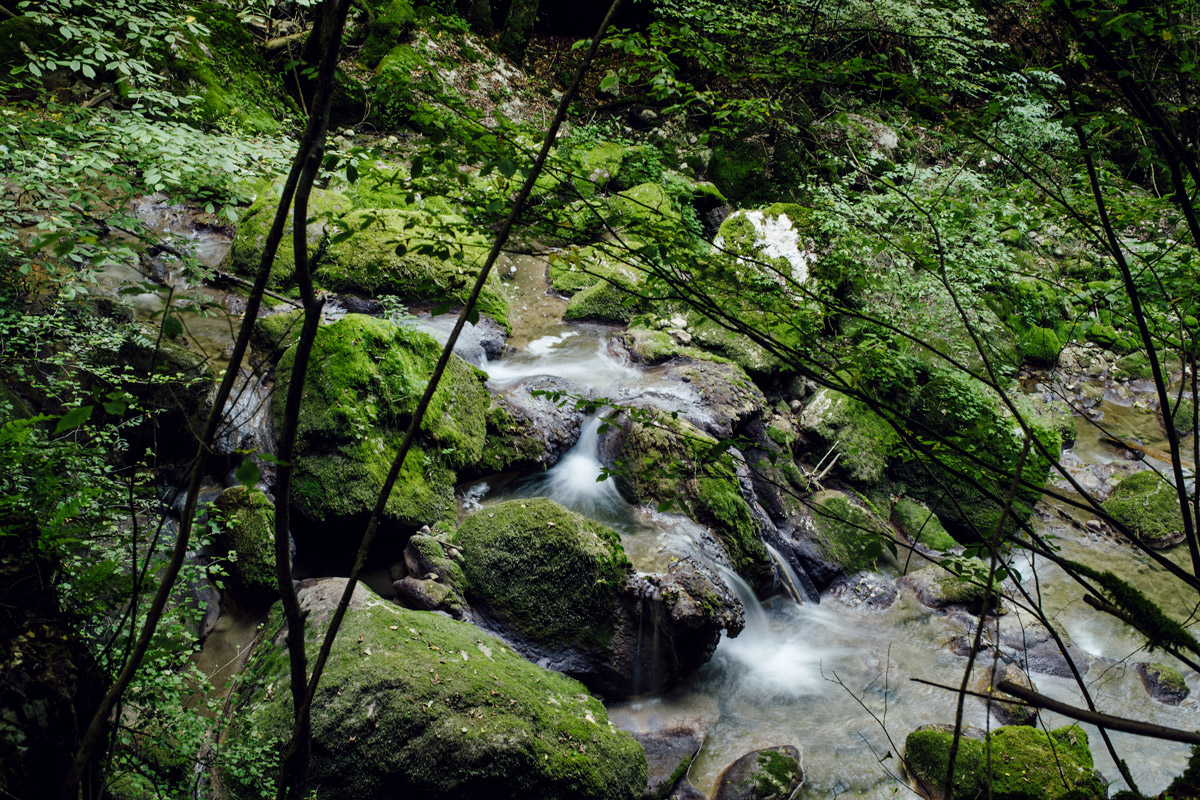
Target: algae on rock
416, 704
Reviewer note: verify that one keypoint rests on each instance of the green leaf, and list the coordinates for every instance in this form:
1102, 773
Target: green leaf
87, 71
506, 168
73, 419
248, 473
172, 326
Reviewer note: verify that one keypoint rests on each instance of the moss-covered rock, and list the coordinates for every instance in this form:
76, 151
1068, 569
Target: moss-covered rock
550, 573
847, 534
363, 383
250, 239
1004, 707
603, 302
639, 164
1025, 763
1041, 346
1149, 506
368, 262
739, 170
415, 704
1164, 683
671, 460
961, 582
966, 487
235, 84
770, 774
246, 520
273, 334
390, 24
864, 439
921, 525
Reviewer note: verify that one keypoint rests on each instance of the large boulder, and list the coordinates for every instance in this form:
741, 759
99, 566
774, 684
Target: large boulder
1024, 762
528, 431
414, 704
246, 530
1164, 683
560, 585
1148, 506
364, 379
843, 530
667, 459
770, 774
863, 439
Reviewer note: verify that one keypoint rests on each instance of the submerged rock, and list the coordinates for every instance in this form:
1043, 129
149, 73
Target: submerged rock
671, 738
770, 774
559, 584
414, 704
1024, 762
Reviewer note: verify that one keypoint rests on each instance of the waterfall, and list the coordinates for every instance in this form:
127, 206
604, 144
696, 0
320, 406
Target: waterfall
575, 481
756, 618
797, 585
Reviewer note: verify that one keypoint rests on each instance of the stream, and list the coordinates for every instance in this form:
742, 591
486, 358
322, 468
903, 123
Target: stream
832, 679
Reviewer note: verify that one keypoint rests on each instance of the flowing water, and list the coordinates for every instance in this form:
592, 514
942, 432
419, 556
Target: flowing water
833, 680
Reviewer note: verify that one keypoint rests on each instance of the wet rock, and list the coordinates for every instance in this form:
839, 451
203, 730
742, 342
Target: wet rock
1005, 707
938, 588
477, 342
769, 774
1025, 643
727, 397
560, 587
1165, 684
1149, 506
428, 595
528, 432
868, 591
671, 740
246, 529
405, 710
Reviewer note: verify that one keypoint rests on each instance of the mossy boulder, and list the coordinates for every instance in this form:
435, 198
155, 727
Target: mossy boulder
640, 164
966, 486
921, 525
1041, 346
1025, 763
275, 333
548, 572
246, 524
773, 773
527, 431
604, 302
364, 379
1149, 506
1164, 683
249, 241
956, 581
847, 534
864, 439
769, 243
236, 85
439, 259
414, 704
739, 170
1004, 707
391, 23
671, 460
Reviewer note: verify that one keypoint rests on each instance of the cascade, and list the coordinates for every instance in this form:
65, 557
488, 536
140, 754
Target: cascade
797, 585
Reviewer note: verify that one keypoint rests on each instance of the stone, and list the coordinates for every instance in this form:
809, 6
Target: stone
769, 774
246, 533
1005, 708
1148, 506
528, 432
1164, 683
867, 591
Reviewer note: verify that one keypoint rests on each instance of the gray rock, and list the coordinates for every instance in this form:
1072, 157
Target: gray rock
1165, 684
868, 591
541, 431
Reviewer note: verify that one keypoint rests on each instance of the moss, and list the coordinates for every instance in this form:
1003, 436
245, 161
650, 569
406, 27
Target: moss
392, 23
363, 382
603, 302
385, 186
580, 268
19, 31
1149, 507
368, 263
1041, 346
651, 346
247, 526
1184, 415
672, 460
251, 236
848, 535
272, 335
646, 213
919, 524
865, 440
1168, 677
415, 704
392, 89
639, 164
775, 774
1025, 764
733, 346
739, 171
597, 166
552, 573
235, 83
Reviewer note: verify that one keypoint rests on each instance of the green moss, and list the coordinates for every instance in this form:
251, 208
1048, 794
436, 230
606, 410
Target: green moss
251, 236
603, 302
1041, 346
367, 262
392, 23
392, 89
552, 573
1184, 415
739, 169
1168, 677
597, 166
414, 704
1025, 764
1148, 506
672, 460
919, 524
865, 440
385, 186
639, 164
847, 534
247, 524
235, 83
363, 382
647, 213
272, 335
775, 773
